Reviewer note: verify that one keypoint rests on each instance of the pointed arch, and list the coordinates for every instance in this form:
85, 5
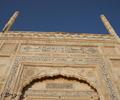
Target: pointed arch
43, 78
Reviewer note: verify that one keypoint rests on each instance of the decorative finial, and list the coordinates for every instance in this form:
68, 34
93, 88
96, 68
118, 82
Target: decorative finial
108, 26
10, 22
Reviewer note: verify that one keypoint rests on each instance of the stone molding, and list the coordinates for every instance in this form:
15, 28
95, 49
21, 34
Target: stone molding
58, 35
103, 68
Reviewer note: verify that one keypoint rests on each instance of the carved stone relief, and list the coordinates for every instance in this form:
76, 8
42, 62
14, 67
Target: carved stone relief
58, 53
116, 72
34, 59
59, 49
61, 71
58, 35
51, 71
65, 59
60, 87
109, 83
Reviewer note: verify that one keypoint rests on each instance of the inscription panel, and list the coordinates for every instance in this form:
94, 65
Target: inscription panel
66, 59
59, 49
47, 93
59, 85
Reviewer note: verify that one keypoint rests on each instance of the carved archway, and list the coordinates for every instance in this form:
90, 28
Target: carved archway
42, 79
68, 72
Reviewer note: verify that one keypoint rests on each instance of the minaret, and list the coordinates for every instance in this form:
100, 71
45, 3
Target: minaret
10, 22
109, 28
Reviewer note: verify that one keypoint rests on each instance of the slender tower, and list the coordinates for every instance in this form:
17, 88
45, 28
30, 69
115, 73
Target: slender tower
109, 27
10, 22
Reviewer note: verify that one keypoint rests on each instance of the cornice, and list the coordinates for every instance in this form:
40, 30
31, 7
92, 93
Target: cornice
56, 35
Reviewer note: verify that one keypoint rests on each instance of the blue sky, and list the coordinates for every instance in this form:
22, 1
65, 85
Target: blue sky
61, 15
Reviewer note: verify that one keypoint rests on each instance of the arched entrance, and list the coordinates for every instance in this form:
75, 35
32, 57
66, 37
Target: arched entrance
59, 87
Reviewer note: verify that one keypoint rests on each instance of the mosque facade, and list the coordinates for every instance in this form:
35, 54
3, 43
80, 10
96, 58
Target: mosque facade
59, 65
